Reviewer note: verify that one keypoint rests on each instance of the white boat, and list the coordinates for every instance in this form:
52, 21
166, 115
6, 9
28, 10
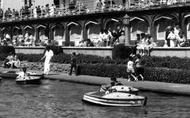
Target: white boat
120, 88
29, 78
13, 74
114, 99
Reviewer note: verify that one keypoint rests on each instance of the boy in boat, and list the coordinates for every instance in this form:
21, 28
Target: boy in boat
113, 82
23, 75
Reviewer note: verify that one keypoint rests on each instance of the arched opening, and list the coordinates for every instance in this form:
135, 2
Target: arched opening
187, 24
112, 24
5, 37
93, 31
138, 27
17, 36
161, 25
58, 34
75, 33
42, 36
28, 36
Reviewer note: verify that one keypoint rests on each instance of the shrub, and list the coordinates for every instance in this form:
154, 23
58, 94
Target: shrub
103, 70
167, 75
151, 74
167, 62
7, 49
122, 52
56, 49
30, 57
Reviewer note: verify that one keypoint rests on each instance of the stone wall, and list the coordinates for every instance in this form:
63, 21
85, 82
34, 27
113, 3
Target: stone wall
38, 66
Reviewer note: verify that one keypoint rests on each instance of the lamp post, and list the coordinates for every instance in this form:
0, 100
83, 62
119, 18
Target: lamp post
126, 22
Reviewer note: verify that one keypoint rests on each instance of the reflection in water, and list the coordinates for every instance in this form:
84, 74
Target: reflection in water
54, 99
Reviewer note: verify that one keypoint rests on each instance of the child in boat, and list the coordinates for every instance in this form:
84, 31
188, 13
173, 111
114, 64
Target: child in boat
23, 75
113, 82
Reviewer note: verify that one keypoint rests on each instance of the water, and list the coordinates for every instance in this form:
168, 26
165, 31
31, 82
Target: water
54, 99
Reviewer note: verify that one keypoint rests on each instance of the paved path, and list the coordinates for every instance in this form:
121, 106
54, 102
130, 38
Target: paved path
181, 89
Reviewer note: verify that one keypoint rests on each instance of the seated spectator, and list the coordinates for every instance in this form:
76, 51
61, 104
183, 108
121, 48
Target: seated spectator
181, 40
28, 40
114, 82
8, 62
99, 5
149, 44
121, 39
172, 38
82, 43
89, 43
16, 62
114, 37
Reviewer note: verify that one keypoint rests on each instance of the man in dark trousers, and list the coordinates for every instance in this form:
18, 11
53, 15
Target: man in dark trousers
73, 63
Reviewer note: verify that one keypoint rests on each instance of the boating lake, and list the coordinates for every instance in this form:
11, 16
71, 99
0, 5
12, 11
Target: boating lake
55, 99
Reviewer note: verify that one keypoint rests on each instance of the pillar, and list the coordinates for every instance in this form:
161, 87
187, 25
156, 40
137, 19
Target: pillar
127, 29
84, 31
67, 37
11, 32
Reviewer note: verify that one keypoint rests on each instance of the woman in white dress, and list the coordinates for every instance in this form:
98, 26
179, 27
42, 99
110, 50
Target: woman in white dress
48, 56
172, 38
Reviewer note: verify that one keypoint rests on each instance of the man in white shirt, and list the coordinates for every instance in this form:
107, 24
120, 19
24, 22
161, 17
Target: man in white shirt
48, 56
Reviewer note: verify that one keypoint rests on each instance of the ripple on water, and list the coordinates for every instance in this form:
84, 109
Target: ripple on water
55, 99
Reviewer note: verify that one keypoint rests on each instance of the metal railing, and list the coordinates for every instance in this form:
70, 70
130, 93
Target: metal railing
80, 8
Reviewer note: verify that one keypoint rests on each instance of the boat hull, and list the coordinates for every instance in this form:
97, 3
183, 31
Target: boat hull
13, 75
9, 75
126, 102
35, 80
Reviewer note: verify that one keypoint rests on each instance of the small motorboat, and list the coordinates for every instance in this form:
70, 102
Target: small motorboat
114, 99
120, 88
29, 80
13, 74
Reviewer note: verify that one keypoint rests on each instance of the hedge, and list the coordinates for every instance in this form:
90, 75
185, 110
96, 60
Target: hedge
122, 52
150, 74
167, 62
7, 49
65, 58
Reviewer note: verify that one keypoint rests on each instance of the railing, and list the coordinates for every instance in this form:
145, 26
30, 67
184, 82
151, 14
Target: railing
80, 8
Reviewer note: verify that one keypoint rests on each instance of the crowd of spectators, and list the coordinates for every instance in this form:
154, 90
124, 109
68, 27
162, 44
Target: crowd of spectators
27, 40
175, 37
106, 38
76, 7
144, 44
11, 61
28, 12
